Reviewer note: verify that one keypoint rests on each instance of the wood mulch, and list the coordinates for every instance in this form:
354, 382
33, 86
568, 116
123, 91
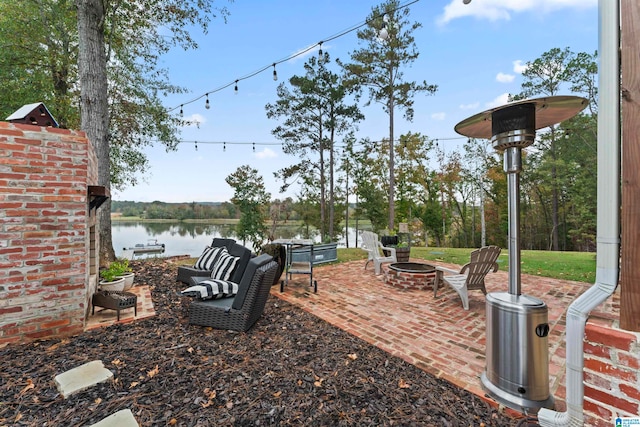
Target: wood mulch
291, 368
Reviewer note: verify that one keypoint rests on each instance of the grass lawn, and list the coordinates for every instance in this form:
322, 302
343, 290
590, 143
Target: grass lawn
578, 266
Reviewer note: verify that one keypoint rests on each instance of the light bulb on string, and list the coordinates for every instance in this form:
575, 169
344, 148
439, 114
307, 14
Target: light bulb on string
320, 51
196, 144
384, 33
275, 74
254, 147
206, 104
181, 113
224, 146
236, 88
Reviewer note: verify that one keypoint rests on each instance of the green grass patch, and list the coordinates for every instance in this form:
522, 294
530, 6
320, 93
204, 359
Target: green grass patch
578, 266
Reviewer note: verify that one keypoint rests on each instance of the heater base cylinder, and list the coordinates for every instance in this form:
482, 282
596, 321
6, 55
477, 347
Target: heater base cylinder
517, 372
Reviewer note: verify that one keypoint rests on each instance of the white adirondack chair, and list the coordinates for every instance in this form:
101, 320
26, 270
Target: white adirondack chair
374, 248
471, 275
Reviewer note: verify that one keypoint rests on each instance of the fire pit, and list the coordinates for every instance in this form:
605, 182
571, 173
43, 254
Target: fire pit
411, 275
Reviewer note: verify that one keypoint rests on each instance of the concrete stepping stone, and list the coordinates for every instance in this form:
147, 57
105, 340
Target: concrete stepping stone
82, 377
123, 418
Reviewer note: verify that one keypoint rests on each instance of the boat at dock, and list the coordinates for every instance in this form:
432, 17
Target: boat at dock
151, 247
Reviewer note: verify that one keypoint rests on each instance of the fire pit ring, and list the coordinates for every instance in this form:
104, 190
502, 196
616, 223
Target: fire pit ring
411, 275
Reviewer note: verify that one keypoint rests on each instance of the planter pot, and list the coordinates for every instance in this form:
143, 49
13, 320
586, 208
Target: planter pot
116, 285
279, 254
128, 280
402, 254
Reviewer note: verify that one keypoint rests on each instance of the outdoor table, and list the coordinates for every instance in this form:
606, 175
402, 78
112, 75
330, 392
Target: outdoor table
115, 300
297, 267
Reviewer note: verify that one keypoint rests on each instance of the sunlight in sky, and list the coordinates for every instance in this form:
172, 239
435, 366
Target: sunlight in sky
475, 53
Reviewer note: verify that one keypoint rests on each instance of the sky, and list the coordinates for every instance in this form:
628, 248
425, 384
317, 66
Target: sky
474, 53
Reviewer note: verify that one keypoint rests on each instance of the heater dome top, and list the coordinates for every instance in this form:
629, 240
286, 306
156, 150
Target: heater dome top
549, 110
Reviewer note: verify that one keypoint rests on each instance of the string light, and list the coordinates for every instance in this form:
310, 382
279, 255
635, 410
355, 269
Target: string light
254, 147
275, 74
224, 146
274, 143
320, 52
295, 55
235, 89
206, 104
384, 33
181, 113
196, 144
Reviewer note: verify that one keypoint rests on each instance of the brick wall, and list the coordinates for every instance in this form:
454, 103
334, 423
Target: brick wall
611, 372
44, 231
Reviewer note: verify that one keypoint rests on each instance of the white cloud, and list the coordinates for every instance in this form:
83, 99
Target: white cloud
308, 51
266, 153
438, 116
519, 67
473, 106
497, 101
494, 10
195, 120
504, 78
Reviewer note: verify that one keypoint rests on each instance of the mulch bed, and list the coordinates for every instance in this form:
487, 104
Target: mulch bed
291, 368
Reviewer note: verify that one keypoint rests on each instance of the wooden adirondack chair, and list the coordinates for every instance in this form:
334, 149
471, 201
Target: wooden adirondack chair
471, 276
374, 248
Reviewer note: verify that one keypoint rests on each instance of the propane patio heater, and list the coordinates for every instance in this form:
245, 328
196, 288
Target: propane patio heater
517, 353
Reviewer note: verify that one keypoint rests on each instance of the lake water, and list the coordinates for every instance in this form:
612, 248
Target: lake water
190, 239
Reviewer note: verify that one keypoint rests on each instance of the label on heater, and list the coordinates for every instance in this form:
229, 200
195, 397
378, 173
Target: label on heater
627, 421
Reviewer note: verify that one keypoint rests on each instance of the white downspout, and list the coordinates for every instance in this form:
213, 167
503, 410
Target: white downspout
608, 233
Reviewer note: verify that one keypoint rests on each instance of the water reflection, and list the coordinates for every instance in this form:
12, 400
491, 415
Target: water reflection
190, 239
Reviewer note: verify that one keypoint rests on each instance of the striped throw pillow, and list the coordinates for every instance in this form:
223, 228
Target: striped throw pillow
224, 265
212, 289
208, 257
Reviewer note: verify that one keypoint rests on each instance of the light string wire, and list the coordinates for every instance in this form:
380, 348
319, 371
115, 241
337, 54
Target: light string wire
280, 61
196, 142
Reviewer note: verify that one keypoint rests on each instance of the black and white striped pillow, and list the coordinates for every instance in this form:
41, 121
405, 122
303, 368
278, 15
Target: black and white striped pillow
224, 265
212, 289
208, 257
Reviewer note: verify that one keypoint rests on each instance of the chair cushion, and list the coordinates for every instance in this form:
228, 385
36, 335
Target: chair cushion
208, 257
224, 265
212, 289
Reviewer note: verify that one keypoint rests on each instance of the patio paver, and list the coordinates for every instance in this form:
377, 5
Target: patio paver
436, 335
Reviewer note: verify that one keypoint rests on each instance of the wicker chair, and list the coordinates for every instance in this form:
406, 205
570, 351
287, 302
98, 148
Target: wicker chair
245, 308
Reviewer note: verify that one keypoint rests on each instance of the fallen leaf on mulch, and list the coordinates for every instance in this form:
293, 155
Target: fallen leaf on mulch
30, 385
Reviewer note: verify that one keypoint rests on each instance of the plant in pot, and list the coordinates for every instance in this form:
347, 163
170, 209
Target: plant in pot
111, 280
121, 266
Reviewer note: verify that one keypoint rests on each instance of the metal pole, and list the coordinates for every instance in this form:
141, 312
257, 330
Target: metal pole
513, 167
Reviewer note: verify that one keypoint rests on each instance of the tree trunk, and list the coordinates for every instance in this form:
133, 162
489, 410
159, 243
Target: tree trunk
554, 202
392, 176
483, 224
331, 188
323, 191
94, 108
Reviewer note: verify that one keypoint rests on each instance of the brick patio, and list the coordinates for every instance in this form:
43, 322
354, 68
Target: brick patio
436, 335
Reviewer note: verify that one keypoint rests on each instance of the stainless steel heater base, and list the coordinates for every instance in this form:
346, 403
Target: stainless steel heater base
526, 406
